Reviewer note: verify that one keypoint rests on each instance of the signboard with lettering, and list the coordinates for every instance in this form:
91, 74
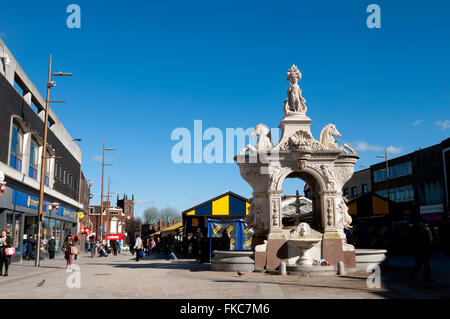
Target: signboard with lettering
28, 201
116, 236
430, 209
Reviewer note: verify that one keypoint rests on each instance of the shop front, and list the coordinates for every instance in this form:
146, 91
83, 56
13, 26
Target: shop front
18, 216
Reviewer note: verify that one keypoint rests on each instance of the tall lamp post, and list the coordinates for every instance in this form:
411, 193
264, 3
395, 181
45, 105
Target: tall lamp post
101, 198
387, 175
50, 84
109, 204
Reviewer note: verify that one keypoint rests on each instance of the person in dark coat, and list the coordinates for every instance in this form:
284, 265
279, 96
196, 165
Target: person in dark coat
5, 242
185, 246
31, 245
51, 247
115, 247
422, 240
195, 247
225, 240
204, 246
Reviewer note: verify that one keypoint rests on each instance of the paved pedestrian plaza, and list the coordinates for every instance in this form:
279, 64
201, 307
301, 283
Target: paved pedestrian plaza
122, 277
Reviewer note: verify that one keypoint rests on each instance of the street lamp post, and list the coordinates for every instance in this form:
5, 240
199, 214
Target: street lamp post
387, 175
101, 197
50, 84
109, 205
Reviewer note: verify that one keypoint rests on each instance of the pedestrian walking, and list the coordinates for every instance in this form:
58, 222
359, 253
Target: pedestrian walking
92, 247
422, 240
6, 251
31, 246
195, 247
138, 247
171, 246
51, 247
68, 249
77, 245
185, 246
115, 246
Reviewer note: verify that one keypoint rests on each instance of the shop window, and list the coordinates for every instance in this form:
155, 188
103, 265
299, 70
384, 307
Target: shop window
55, 226
364, 188
56, 171
16, 147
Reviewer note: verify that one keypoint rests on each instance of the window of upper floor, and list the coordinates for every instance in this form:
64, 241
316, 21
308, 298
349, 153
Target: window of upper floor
16, 150
364, 188
34, 159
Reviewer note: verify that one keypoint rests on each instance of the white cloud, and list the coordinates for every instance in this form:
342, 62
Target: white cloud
97, 158
364, 146
394, 150
443, 124
417, 123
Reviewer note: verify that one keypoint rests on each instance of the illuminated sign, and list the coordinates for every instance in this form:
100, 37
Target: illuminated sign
430, 209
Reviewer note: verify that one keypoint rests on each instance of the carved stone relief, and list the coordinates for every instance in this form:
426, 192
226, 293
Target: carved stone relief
276, 213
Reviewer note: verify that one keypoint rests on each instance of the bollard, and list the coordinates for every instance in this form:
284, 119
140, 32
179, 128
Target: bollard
283, 268
341, 269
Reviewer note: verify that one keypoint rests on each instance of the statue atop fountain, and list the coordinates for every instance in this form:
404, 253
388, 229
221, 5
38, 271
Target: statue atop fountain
295, 103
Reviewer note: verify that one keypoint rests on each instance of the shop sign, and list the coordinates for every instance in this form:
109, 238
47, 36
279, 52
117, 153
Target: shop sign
26, 200
65, 212
430, 209
116, 236
85, 230
80, 215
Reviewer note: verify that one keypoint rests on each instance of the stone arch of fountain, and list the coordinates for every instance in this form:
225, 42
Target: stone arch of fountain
316, 186
323, 164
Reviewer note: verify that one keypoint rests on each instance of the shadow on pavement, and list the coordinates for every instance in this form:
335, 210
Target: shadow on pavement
192, 266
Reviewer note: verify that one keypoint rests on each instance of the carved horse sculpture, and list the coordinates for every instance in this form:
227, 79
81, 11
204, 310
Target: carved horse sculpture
327, 139
264, 143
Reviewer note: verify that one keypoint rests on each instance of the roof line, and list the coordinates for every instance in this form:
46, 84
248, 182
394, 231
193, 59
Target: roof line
215, 198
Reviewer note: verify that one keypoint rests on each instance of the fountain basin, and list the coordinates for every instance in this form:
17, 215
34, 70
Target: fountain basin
231, 260
366, 257
303, 245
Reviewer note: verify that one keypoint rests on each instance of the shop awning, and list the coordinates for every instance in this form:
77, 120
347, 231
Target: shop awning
170, 228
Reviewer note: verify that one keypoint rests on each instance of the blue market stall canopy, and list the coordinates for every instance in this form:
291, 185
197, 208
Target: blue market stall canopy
227, 204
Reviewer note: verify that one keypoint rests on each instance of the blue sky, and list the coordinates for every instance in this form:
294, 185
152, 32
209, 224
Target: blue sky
144, 68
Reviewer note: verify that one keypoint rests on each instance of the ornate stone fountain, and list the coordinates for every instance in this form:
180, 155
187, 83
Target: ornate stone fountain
323, 165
